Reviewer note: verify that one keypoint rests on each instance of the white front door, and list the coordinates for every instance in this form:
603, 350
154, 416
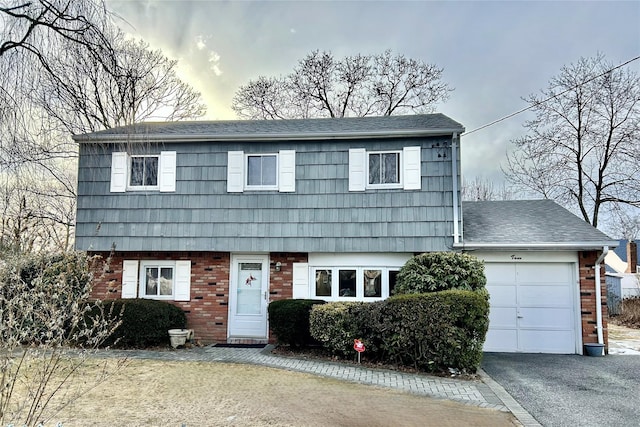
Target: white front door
248, 296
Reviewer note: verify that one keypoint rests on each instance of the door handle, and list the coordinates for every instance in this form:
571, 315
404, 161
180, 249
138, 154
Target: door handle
265, 295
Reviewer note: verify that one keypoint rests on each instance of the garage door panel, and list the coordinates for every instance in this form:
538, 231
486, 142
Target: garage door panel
546, 318
536, 341
500, 295
503, 317
544, 273
501, 273
554, 295
501, 340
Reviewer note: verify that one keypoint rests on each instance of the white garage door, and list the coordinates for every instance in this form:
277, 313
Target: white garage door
532, 308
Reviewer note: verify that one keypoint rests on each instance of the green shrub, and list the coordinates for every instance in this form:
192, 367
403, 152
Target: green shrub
431, 332
336, 325
145, 322
289, 321
439, 271
436, 331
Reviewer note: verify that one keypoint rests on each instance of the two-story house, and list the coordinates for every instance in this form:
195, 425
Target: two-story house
222, 217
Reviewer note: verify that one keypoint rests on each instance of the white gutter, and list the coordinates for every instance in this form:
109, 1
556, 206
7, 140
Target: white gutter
454, 167
535, 245
605, 250
156, 136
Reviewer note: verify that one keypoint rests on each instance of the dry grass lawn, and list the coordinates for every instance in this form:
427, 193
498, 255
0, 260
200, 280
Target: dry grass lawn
156, 393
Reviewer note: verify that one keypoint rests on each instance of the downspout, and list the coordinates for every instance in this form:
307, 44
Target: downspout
454, 167
605, 250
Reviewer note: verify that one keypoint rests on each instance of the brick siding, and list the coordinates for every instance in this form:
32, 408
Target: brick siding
588, 298
208, 310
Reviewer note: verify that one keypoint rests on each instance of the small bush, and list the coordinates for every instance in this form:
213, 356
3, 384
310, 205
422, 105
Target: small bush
144, 322
630, 312
336, 325
439, 271
289, 321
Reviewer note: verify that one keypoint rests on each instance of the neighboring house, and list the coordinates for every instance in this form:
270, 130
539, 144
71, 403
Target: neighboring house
222, 217
623, 279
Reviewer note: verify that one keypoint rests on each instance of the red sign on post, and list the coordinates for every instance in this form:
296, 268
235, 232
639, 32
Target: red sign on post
358, 346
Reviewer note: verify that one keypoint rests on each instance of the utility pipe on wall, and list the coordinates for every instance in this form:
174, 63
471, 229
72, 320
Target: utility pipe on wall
454, 173
605, 250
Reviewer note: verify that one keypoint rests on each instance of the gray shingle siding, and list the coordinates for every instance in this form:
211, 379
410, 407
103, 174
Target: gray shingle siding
321, 216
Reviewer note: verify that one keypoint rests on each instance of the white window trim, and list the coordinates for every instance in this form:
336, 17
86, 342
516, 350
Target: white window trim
237, 172
410, 169
133, 283
142, 187
400, 168
246, 168
121, 171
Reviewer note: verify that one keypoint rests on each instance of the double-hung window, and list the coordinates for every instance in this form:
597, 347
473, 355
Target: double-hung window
385, 169
144, 172
136, 172
261, 171
157, 279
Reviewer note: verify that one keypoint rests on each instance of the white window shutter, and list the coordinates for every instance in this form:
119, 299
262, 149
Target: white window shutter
235, 171
411, 161
300, 280
183, 281
357, 169
287, 171
167, 173
129, 279
118, 172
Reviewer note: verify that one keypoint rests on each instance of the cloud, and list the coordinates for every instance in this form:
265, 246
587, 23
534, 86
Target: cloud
200, 43
292, 30
214, 62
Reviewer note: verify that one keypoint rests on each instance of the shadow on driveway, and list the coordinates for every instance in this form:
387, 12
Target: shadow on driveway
571, 390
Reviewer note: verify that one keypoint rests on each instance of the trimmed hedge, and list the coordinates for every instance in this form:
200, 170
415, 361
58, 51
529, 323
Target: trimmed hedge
431, 332
289, 321
439, 271
145, 322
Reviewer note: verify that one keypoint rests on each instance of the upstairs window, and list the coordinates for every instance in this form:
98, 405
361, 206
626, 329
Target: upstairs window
144, 171
262, 171
384, 168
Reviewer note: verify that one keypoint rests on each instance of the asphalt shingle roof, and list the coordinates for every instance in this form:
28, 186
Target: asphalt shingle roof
532, 223
261, 129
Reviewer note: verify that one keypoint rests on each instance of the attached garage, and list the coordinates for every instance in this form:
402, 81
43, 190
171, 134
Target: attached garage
533, 307
544, 275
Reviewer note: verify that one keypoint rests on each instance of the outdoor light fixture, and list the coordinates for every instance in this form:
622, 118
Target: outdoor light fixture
278, 266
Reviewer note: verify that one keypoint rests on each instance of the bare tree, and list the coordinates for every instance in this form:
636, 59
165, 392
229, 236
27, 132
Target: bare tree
66, 69
361, 85
484, 189
582, 148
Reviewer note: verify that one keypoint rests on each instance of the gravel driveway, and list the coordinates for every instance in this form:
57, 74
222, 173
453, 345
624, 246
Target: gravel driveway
571, 390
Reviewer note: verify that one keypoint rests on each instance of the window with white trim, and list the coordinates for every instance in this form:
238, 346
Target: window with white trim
353, 283
157, 279
261, 171
143, 172
385, 169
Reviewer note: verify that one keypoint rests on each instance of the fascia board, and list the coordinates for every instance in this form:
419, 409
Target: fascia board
312, 136
537, 246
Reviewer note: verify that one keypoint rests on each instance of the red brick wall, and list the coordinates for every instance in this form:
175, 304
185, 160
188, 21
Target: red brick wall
588, 297
207, 311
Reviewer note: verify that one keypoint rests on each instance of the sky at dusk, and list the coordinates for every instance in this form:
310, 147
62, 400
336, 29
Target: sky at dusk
493, 53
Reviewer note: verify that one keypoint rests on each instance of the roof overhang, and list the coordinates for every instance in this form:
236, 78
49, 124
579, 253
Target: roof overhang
260, 137
537, 246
